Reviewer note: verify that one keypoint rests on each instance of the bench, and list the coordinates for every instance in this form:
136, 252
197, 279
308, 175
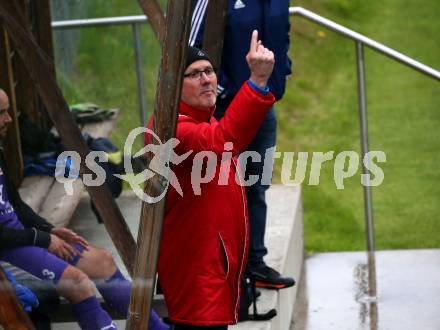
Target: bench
47, 197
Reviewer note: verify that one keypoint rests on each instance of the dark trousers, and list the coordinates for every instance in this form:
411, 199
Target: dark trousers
256, 193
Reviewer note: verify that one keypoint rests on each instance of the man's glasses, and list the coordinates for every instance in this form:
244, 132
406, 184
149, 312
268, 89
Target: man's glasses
197, 74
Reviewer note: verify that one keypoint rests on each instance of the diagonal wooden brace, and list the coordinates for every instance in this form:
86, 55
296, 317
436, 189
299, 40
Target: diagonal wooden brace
38, 65
155, 16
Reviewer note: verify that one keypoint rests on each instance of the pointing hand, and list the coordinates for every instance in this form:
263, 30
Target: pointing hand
260, 60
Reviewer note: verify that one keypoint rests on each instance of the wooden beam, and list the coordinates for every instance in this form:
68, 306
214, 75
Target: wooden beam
215, 30
12, 315
165, 120
12, 142
38, 65
44, 37
155, 16
43, 27
24, 90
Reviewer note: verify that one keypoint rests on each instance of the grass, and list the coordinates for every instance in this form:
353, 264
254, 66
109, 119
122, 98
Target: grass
319, 112
105, 66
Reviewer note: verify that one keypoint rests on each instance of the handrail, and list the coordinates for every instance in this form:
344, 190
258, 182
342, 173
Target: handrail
141, 19
102, 21
134, 21
366, 41
360, 40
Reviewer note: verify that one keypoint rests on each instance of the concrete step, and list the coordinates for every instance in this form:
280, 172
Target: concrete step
285, 243
284, 239
334, 293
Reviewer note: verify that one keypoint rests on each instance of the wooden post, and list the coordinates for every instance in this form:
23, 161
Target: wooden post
24, 90
155, 16
12, 142
43, 27
215, 30
12, 315
38, 65
44, 37
165, 120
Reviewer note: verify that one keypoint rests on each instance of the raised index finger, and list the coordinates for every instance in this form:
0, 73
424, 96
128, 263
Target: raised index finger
254, 41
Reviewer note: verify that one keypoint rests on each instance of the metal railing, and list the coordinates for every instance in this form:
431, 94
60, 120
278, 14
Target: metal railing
360, 42
134, 21
359, 38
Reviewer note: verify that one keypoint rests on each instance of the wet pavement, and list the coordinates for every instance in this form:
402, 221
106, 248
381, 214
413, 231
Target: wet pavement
335, 292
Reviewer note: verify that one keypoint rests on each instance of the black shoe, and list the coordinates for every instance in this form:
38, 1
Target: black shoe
269, 278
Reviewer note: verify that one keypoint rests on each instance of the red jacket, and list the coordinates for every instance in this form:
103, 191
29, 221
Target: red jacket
204, 244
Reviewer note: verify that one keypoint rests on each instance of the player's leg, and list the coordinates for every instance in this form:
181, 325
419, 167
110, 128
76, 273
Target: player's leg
71, 283
100, 266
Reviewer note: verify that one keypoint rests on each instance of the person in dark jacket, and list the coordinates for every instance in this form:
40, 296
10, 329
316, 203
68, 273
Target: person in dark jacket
203, 250
29, 242
271, 19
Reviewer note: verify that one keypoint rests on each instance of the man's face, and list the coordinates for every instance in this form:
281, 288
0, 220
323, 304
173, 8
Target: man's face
5, 119
199, 88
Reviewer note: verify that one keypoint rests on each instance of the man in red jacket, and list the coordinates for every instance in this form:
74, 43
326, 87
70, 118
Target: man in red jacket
204, 247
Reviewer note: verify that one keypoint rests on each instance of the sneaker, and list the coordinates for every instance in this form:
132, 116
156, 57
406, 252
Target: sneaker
268, 278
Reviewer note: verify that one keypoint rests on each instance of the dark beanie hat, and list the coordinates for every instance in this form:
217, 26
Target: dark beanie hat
195, 54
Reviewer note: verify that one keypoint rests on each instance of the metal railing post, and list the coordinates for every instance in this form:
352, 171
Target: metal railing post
368, 201
142, 102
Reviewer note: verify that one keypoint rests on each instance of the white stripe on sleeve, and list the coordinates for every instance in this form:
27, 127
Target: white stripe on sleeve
196, 21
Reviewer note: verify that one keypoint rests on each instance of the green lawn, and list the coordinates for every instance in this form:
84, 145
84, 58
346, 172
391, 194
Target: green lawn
319, 112
105, 66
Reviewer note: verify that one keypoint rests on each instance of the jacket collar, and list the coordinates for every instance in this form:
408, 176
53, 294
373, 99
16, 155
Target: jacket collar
199, 115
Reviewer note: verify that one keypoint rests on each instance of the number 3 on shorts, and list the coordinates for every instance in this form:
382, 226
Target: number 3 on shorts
47, 273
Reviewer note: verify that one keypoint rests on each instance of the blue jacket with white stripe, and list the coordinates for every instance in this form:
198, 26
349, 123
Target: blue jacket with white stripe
270, 18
